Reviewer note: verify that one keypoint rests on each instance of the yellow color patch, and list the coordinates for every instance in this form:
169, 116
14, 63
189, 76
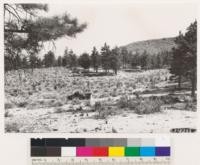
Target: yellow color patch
116, 151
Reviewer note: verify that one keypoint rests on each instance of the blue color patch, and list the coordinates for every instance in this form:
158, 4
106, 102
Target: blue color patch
147, 151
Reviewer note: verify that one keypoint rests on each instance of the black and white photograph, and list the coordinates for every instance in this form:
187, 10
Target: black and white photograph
100, 67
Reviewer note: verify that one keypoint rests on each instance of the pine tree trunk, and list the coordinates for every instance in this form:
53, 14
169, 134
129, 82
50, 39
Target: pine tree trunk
116, 71
193, 81
179, 82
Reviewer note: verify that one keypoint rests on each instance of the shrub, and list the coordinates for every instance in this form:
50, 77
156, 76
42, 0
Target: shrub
12, 127
7, 114
20, 101
97, 106
141, 105
190, 105
148, 105
102, 111
8, 105
59, 110
56, 104
22, 104
123, 102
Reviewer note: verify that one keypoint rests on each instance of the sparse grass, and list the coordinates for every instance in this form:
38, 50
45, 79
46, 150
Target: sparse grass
101, 87
46, 80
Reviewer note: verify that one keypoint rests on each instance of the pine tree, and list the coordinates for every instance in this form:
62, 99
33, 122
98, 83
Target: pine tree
95, 59
143, 60
135, 61
59, 61
49, 59
124, 56
69, 59
25, 30
105, 56
84, 61
185, 56
34, 61
115, 59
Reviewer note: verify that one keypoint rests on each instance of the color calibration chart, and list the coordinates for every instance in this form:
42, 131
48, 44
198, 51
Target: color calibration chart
100, 151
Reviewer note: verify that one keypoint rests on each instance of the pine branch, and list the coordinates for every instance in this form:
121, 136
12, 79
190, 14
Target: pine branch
15, 10
16, 31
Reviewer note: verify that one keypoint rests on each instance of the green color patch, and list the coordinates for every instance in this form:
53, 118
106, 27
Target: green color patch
132, 151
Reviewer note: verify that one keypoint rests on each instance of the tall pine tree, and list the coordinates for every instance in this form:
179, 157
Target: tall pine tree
185, 56
95, 59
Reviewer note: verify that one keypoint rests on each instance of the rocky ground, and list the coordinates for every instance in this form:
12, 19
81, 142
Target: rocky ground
48, 120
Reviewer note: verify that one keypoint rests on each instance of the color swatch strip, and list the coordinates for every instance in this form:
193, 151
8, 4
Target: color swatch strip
88, 148
99, 151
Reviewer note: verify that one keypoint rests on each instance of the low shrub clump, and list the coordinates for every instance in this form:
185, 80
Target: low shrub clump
59, 110
141, 105
103, 111
148, 105
12, 127
7, 114
8, 105
22, 104
124, 102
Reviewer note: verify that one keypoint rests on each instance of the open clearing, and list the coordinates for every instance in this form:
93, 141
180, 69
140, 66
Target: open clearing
38, 102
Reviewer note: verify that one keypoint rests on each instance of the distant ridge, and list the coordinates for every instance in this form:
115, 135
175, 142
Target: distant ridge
153, 46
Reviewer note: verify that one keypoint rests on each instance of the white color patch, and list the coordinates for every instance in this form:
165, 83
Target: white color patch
68, 151
162, 141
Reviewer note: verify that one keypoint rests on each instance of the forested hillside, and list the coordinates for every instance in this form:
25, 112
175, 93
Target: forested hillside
154, 46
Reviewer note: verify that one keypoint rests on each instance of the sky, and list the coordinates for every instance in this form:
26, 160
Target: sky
121, 24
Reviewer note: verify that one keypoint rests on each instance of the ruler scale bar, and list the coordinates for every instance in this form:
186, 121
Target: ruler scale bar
99, 161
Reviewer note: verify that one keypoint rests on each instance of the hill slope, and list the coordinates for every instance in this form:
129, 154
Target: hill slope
154, 46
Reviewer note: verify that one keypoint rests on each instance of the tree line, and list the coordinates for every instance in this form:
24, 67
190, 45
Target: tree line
107, 59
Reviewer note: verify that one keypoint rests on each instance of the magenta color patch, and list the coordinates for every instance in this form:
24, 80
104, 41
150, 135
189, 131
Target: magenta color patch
84, 151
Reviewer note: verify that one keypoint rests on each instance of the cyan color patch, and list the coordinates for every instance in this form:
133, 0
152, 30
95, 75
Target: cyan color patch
147, 151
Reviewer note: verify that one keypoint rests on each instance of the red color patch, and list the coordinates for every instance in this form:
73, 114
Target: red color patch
100, 151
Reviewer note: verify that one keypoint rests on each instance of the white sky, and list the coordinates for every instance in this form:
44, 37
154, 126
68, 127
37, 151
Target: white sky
121, 24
